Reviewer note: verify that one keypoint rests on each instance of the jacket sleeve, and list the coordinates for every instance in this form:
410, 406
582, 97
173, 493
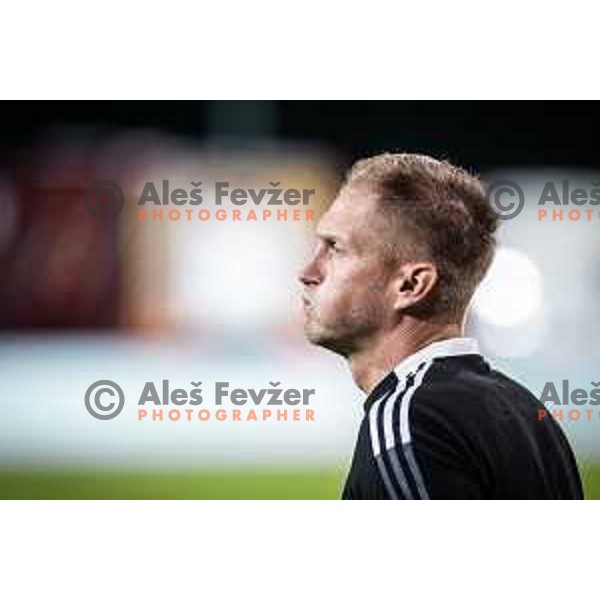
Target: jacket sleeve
421, 453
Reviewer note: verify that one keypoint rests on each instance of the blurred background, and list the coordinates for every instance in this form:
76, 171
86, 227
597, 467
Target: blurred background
84, 299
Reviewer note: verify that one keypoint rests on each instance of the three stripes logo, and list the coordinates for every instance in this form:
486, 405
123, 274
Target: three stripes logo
392, 441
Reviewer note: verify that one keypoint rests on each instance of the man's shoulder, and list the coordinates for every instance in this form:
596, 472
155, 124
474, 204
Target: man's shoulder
468, 387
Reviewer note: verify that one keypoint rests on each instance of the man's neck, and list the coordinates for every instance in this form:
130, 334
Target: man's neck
371, 365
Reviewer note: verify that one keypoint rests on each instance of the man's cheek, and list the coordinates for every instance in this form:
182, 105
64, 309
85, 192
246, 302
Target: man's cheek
328, 301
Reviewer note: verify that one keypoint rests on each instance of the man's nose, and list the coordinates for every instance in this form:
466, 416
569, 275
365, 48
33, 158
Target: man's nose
310, 275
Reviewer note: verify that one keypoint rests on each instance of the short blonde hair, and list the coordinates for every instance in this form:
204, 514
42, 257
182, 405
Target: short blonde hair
446, 213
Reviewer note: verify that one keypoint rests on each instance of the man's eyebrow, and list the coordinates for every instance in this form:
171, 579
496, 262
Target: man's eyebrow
329, 236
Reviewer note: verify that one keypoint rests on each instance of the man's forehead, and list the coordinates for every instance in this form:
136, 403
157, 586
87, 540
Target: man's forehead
349, 211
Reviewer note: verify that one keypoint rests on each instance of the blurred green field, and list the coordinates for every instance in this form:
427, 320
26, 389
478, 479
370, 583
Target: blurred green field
250, 484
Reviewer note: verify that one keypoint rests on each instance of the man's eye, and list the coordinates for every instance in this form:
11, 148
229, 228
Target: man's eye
334, 245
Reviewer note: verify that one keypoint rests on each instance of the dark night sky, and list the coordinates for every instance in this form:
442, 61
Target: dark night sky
474, 134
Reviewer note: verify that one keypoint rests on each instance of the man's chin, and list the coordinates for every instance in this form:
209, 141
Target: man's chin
312, 333
319, 337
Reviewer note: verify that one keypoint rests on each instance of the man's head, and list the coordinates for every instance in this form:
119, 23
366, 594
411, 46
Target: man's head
407, 237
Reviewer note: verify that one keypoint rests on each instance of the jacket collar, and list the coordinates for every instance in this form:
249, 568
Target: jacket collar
451, 347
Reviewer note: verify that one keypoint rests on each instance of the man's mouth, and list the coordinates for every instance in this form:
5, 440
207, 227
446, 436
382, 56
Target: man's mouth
306, 302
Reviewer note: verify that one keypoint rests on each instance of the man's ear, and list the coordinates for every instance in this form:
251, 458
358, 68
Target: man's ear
415, 284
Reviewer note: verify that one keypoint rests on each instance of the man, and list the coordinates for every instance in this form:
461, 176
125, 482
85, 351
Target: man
400, 254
